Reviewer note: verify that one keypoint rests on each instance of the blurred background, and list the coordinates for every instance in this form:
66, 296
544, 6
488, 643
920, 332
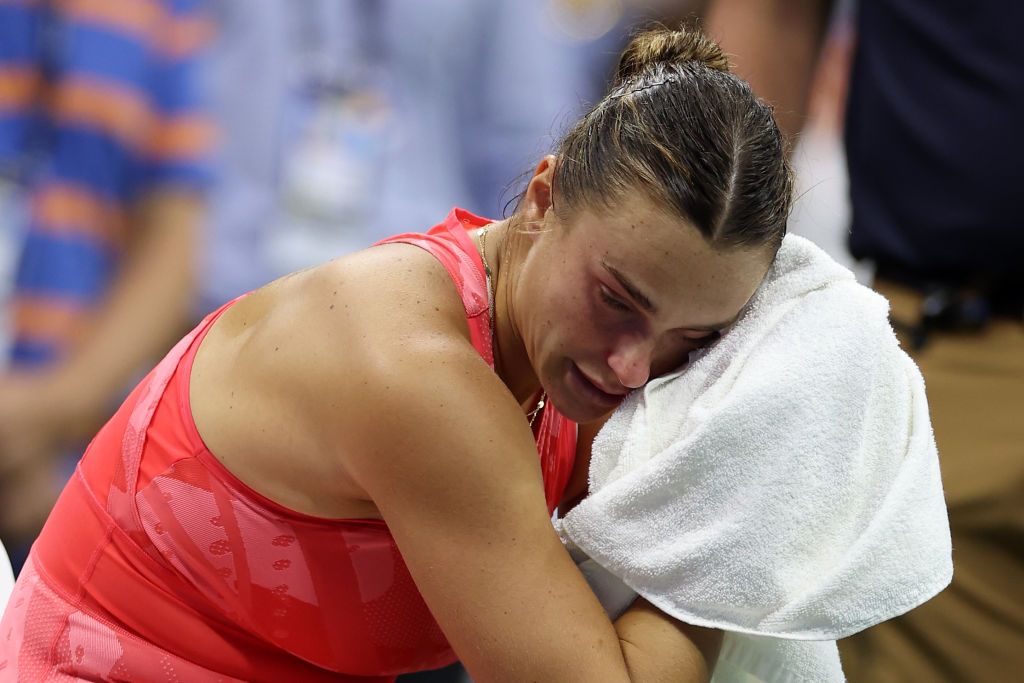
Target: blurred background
159, 157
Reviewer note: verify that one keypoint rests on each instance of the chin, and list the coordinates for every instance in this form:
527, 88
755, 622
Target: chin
577, 399
575, 412
580, 413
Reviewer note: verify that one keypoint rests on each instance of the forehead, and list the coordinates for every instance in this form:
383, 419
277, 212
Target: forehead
689, 282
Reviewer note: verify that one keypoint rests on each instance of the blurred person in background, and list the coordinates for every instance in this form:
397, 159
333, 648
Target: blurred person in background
349, 120
933, 143
103, 149
777, 45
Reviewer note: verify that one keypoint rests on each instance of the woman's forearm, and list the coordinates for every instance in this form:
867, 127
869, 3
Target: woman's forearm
658, 648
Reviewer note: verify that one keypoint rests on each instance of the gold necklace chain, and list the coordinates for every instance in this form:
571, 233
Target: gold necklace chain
532, 415
490, 288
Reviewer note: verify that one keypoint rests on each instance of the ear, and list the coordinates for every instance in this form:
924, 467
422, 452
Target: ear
538, 198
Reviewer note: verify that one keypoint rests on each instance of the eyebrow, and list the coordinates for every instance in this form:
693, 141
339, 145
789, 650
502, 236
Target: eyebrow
643, 302
634, 293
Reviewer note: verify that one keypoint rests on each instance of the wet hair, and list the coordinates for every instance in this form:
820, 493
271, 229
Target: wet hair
678, 126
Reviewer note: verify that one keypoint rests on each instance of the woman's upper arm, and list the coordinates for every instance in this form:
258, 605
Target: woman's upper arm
446, 455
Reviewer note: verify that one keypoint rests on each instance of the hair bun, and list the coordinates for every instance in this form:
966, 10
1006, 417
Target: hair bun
665, 46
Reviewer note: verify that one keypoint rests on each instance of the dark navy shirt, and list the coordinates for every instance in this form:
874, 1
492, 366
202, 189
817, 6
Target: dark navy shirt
935, 136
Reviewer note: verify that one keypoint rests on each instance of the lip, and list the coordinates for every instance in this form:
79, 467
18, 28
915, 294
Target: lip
594, 390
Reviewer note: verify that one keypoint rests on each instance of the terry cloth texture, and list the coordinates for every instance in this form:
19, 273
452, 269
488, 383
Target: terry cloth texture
783, 487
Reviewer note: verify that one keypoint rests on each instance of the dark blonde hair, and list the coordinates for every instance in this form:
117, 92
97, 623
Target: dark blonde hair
680, 127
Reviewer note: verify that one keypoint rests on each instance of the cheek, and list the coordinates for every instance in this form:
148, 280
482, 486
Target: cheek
567, 314
575, 322
672, 356
571, 327
564, 299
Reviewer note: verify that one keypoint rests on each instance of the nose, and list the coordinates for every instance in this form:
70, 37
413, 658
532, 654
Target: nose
630, 360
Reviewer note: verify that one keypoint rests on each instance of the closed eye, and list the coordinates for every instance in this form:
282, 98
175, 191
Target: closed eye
613, 301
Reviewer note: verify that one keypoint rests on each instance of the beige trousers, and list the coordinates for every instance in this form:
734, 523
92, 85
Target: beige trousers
974, 630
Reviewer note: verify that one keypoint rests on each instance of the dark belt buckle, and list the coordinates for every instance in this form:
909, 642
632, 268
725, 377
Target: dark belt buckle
947, 309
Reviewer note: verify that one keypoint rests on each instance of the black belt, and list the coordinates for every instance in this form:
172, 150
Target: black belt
956, 304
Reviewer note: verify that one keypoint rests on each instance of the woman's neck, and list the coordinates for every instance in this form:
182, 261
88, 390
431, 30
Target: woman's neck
504, 249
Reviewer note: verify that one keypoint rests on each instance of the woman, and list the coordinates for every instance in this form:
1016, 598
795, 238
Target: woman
242, 515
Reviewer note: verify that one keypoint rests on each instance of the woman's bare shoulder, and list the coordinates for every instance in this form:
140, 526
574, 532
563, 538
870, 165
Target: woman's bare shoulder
388, 323
329, 317
369, 307
285, 371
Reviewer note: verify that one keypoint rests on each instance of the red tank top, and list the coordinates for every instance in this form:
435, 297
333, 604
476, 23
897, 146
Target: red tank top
158, 564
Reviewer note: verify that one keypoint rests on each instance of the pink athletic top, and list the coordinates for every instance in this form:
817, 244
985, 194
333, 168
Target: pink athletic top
158, 564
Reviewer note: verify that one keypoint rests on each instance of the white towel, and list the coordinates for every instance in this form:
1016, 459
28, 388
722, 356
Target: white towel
6, 579
785, 485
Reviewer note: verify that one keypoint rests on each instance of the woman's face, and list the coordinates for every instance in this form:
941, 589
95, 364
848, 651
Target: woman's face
608, 299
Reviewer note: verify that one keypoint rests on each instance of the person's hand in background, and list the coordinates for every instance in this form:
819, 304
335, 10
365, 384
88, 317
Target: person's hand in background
39, 420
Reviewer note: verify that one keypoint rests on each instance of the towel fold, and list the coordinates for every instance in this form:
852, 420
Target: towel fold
6, 578
785, 484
